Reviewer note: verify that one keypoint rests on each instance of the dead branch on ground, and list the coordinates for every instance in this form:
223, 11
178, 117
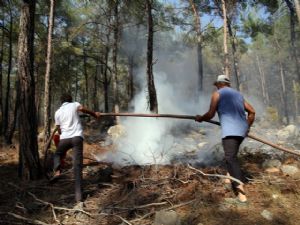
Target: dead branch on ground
216, 175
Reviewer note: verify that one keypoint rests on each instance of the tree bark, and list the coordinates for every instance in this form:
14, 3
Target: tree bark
29, 162
47, 74
199, 44
10, 55
226, 59
150, 78
262, 82
130, 77
1, 83
106, 81
297, 6
293, 47
13, 122
235, 59
115, 60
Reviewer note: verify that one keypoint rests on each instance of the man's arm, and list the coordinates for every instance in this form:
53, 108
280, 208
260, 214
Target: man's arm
90, 112
251, 113
212, 109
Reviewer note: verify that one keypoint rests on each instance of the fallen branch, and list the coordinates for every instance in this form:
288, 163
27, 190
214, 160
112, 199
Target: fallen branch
47, 204
27, 219
216, 175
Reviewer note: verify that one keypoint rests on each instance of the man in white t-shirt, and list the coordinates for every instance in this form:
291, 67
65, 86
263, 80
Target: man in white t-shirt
69, 126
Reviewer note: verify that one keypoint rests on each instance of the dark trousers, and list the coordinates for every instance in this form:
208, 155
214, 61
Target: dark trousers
76, 143
231, 145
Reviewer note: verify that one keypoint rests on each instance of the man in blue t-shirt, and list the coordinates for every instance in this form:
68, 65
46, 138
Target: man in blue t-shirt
235, 124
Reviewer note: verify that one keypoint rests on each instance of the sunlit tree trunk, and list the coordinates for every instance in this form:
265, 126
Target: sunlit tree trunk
235, 58
150, 78
199, 44
29, 163
47, 74
297, 6
226, 59
262, 81
296, 91
283, 85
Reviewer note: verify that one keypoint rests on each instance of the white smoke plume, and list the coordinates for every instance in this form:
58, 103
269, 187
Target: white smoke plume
154, 140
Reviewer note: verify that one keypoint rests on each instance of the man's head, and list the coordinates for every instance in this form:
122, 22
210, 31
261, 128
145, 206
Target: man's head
66, 97
222, 80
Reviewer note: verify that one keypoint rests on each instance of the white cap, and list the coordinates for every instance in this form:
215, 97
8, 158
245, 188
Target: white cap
222, 78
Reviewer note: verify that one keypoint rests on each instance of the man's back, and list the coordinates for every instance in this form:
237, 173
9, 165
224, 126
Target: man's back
231, 112
68, 120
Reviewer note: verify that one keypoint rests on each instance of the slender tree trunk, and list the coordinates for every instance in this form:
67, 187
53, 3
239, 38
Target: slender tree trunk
115, 60
95, 88
297, 6
47, 75
12, 125
293, 47
86, 77
10, 55
1, 83
106, 81
283, 85
29, 163
262, 81
199, 44
150, 78
235, 59
226, 59
295, 89
130, 77
284, 94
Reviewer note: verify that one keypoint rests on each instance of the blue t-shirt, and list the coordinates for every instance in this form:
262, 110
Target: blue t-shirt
232, 113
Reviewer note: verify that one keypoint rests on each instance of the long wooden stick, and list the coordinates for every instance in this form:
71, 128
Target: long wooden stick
295, 152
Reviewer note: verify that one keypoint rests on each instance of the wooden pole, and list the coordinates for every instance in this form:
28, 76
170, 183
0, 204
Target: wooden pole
295, 152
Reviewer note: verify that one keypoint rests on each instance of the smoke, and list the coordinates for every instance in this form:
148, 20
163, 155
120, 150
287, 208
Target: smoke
160, 140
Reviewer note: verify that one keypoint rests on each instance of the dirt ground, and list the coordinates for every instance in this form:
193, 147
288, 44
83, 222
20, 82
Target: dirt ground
133, 194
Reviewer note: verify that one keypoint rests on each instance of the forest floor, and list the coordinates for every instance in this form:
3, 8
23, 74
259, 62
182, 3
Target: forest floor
134, 194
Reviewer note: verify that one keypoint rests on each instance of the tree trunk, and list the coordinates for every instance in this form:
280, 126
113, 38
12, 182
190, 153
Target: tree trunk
235, 59
1, 83
29, 155
199, 44
86, 100
106, 81
226, 59
130, 78
12, 125
293, 47
10, 55
262, 82
115, 60
297, 6
150, 78
284, 94
47, 74
295, 89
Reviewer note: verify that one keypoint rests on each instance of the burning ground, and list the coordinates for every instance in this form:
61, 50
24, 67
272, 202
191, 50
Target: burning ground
153, 193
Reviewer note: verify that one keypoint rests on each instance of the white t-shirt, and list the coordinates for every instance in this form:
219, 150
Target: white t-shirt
68, 119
